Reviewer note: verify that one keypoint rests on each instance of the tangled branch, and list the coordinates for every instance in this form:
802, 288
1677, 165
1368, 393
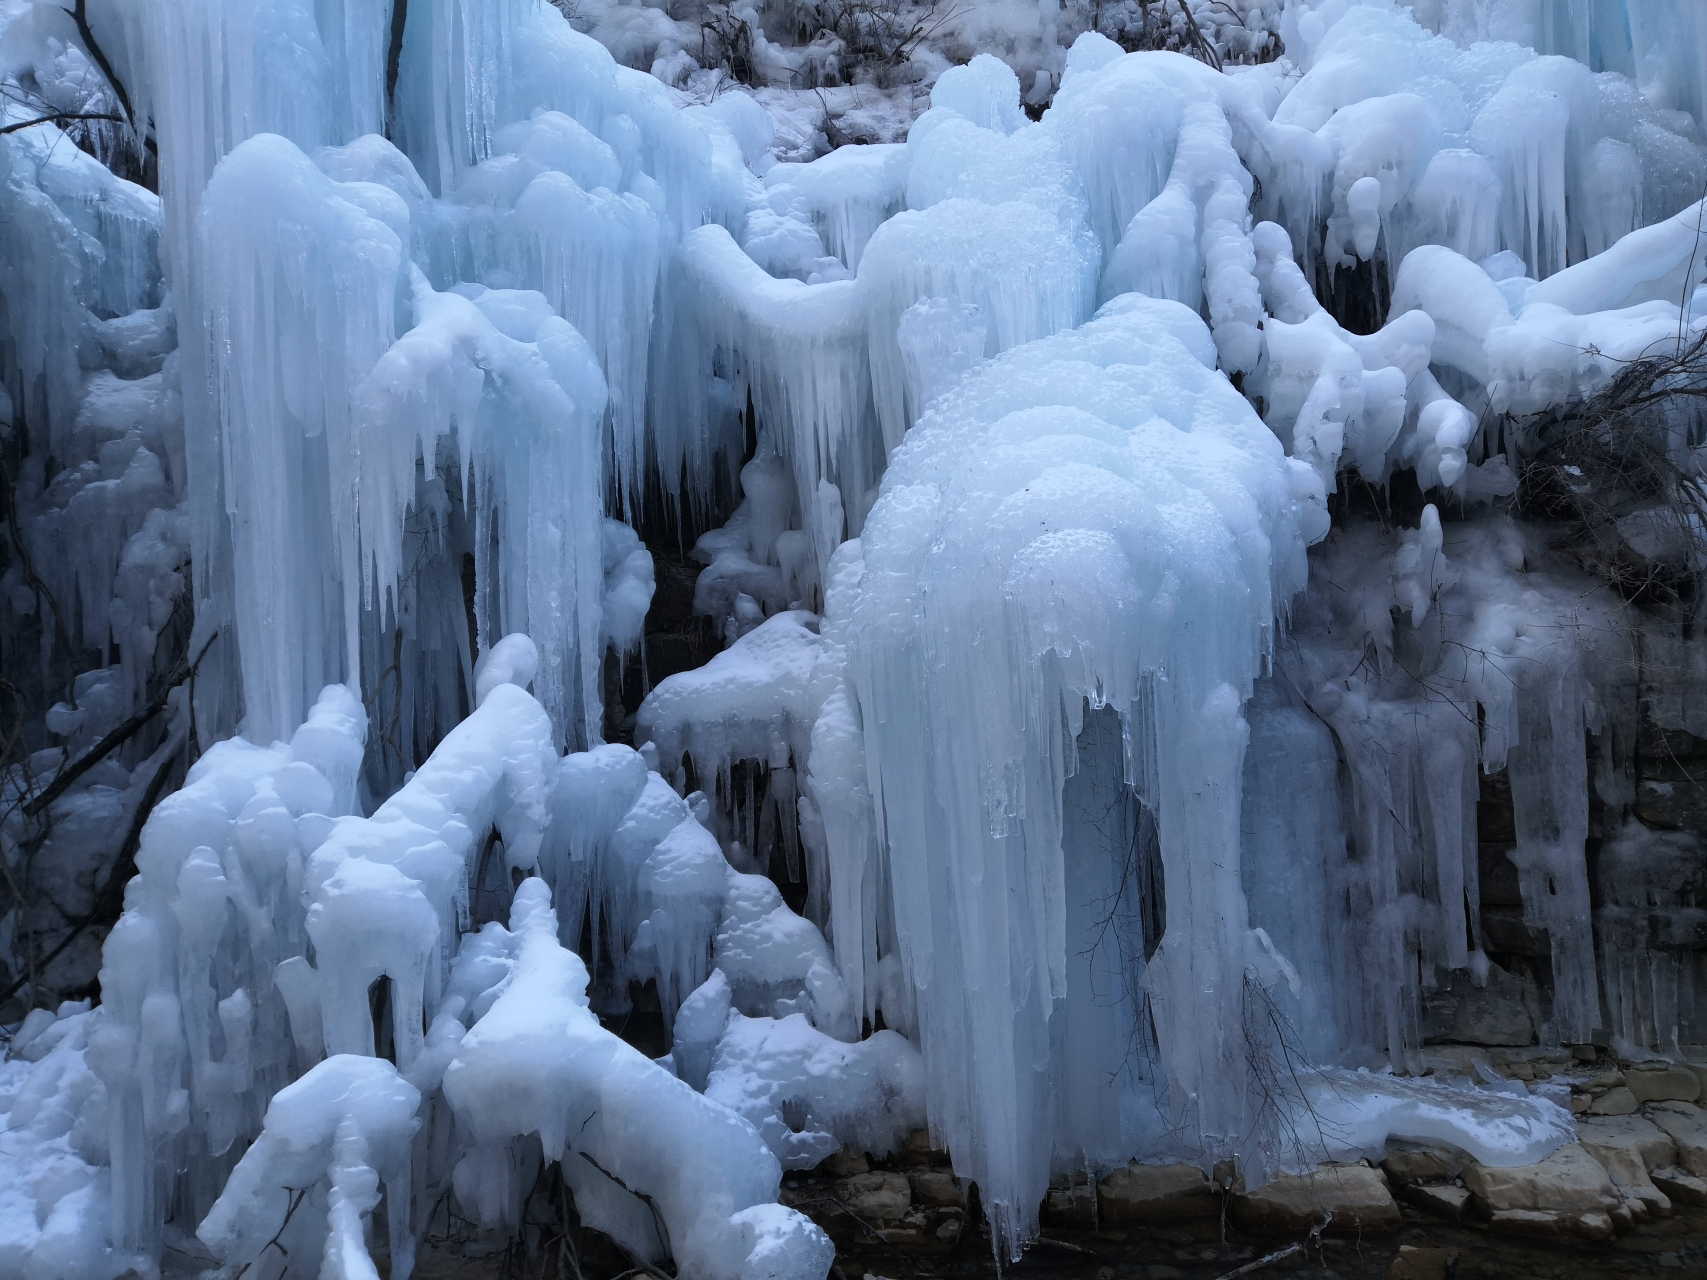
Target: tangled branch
1617, 471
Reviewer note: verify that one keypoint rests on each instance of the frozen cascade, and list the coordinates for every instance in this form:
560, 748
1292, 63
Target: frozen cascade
208, 106
1075, 607
799, 352
348, 1121
229, 836
1057, 730
386, 898
846, 195
318, 325
1457, 646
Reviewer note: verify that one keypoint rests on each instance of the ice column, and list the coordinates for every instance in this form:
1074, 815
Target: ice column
1030, 553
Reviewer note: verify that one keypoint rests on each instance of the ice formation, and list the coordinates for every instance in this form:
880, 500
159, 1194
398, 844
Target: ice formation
1071, 749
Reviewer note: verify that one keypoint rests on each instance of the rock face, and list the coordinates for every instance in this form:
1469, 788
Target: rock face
1155, 1193
1442, 1199
1669, 1084
909, 1199
1406, 1165
1349, 1198
879, 1198
1617, 1101
1073, 1206
1492, 1014
1415, 1263
1687, 1127
1423, 1177
846, 1163
1627, 1147
1680, 1187
940, 1190
1536, 1222
1568, 1193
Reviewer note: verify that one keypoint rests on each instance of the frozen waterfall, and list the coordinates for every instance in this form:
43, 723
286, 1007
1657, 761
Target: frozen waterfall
573, 623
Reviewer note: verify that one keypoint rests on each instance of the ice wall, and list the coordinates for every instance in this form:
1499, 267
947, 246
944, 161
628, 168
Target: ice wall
1659, 46
615, 176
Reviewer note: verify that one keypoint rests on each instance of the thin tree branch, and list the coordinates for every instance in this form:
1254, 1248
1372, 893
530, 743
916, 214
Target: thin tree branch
1207, 52
56, 116
120, 876
80, 15
1268, 1259
105, 747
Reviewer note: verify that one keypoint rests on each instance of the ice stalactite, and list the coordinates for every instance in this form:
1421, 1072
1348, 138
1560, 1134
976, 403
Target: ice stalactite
514, 385
232, 89
1646, 881
81, 244
1466, 680
553, 210
845, 195
778, 703
519, 391
1507, 151
301, 279
993, 220
799, 353
1070, 610
209, 77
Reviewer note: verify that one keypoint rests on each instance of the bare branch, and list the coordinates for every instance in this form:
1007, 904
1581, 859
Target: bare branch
56, 117
112, 892
77, 768
80, 15
1268, 1259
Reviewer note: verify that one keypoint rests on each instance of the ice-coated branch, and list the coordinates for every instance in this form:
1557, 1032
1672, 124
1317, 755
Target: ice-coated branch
328, 1140
537, 1061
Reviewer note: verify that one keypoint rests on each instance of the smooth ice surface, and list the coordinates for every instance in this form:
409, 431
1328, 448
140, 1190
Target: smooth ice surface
1360, 1112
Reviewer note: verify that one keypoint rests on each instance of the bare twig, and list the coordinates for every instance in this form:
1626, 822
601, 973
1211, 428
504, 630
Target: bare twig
105, 747
1205, 51
112, 892
56, 116
1621, 451
80, 15
1268, 1259
1066, 1246
657, 1217
295, 1202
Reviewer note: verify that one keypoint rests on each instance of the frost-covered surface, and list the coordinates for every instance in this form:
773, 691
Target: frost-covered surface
1066, 764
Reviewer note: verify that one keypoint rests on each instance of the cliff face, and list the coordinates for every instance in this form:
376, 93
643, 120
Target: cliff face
1442, 847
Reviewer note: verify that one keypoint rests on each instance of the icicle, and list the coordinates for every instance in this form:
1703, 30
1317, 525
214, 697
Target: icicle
969, 669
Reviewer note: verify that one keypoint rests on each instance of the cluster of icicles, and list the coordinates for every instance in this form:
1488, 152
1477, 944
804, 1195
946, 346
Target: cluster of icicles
1046, 417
